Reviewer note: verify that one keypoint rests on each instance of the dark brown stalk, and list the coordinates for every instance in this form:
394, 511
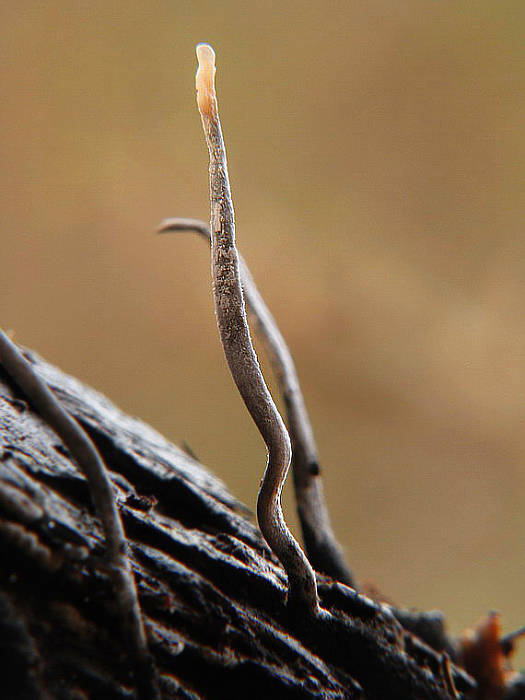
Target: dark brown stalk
90, 462
239, 352
322, 548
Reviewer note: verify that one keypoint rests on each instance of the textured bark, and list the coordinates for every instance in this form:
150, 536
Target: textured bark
212, 592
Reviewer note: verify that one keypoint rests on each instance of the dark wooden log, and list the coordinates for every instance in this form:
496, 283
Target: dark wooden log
213, 594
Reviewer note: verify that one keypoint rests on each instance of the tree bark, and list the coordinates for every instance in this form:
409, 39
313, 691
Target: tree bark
213, 595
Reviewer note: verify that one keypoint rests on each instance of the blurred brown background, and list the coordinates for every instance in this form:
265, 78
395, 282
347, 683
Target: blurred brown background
376, 154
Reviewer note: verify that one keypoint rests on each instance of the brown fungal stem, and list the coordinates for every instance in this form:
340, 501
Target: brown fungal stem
90, 462
239, 351
322, 548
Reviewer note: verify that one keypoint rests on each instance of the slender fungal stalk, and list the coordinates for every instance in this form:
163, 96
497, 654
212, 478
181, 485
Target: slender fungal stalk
90, 462
322, 548
239, 352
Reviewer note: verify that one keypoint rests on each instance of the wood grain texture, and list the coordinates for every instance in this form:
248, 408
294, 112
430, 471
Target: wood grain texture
212, 592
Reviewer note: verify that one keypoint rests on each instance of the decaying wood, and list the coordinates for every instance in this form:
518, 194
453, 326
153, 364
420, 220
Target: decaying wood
212, 592
86, 455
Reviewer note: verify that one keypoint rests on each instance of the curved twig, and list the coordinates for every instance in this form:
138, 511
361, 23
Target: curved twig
89, 460
238, 348
446, 672
320, 543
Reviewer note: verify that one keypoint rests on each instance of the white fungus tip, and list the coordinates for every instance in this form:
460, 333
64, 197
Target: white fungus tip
205, 79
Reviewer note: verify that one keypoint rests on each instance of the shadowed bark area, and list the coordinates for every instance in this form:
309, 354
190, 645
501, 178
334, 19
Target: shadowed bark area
212, 592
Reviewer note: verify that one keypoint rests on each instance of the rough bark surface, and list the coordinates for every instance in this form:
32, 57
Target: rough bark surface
213, 594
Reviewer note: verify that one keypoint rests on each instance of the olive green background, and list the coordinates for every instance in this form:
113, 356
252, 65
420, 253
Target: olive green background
376, 155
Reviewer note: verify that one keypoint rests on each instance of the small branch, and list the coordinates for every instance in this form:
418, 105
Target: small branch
446, 671
322, 548
508, 640
88, 459
239, 352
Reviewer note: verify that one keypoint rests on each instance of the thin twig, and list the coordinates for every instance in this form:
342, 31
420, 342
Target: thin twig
322, 548
89, 460
238, 348
507, 641
446, 672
